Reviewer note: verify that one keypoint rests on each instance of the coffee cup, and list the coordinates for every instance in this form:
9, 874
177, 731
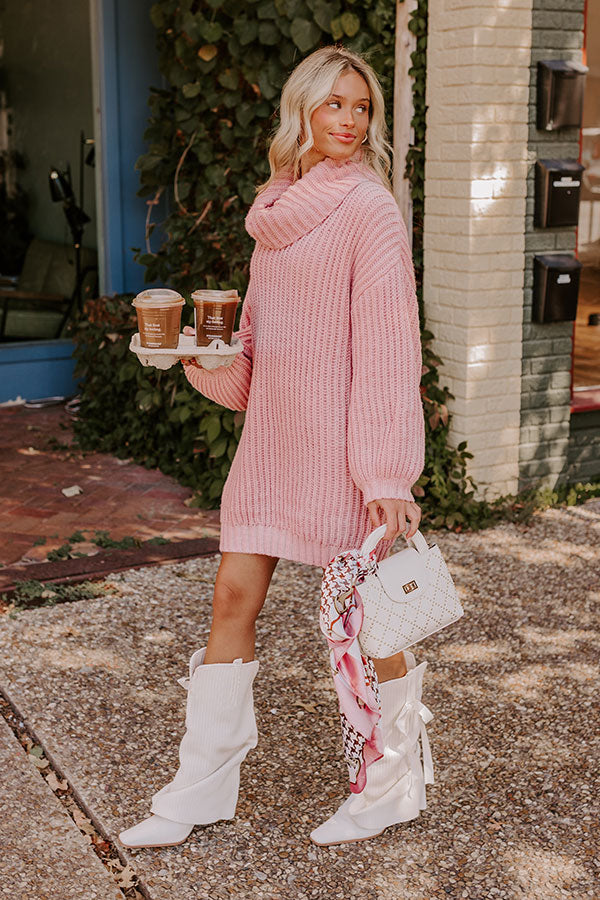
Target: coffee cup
159, 317
214, 315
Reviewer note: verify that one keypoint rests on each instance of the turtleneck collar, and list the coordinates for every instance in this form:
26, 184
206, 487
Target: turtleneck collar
289, 209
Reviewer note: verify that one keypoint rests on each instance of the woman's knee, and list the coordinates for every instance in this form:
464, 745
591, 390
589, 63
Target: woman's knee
236, 603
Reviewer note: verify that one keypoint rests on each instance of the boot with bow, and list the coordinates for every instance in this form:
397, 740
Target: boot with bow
220, 730
395, 788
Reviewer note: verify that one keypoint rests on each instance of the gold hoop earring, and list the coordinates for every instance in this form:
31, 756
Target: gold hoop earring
365, 139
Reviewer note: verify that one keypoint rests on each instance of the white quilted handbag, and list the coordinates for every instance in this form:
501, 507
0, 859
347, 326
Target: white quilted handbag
409, 596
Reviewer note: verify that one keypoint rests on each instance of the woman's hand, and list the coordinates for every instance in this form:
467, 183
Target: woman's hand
395, 513
190, 361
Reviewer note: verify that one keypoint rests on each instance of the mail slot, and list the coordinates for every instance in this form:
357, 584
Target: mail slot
555, 287
557, 191
560, 90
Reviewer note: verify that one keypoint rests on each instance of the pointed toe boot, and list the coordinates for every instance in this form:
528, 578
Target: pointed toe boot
220, 730
395, 788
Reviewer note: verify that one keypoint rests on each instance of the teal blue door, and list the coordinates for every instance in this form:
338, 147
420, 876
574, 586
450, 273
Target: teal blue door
127, 67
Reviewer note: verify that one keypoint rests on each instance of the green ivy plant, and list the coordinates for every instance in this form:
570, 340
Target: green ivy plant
151, 416
225, 62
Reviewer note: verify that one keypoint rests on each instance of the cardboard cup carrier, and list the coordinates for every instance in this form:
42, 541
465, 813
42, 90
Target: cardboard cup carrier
214, 315
159, 317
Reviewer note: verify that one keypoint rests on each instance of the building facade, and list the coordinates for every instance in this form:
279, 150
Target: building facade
526, 419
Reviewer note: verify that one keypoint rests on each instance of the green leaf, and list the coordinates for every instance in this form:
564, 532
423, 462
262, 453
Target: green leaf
247, 192
149, 161
267, 89
215, 488
227, 137
204, 152
213, 429
192, 89
215, 175
324, 13
219, 448
246, 30
350, 23
190, 25
177, 75
211, 32
229, 79
266, 10
245, 113
157, 15
305, 34
268, 33
297, 8
232, 98
337, 32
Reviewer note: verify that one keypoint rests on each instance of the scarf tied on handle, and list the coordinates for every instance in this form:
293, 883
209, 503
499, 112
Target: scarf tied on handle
354, 676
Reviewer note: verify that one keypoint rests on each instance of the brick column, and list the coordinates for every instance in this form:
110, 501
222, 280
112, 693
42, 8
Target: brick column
474, 241
552, 450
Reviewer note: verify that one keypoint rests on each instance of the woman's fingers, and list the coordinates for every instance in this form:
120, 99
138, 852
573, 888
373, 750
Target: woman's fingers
191, 362
402, 524
373, 513
401, 517
390, 511
414, 514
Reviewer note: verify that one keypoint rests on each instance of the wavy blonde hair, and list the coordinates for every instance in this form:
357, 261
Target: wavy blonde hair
308, 86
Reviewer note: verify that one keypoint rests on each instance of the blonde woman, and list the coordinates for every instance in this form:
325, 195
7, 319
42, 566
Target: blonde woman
333, 437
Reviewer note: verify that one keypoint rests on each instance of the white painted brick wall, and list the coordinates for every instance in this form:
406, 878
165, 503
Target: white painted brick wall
478, 72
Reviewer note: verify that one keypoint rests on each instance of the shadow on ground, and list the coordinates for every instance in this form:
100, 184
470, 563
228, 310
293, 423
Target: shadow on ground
512, 686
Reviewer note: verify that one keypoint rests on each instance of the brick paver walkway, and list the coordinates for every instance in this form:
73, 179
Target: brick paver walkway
127, 500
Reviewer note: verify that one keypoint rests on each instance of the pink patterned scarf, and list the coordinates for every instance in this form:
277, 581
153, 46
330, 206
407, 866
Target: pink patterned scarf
354, 676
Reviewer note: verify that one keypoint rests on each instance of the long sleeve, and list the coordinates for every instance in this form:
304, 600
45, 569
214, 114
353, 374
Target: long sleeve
228, 385
386, 430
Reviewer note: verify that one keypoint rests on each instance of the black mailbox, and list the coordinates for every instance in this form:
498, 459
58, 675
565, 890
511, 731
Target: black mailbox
557, 189
560, 88
555, 287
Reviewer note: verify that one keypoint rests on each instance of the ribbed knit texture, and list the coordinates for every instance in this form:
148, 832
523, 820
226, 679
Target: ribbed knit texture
330, 372
220, 730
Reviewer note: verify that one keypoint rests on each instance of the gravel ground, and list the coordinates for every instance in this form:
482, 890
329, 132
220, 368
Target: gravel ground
513, 685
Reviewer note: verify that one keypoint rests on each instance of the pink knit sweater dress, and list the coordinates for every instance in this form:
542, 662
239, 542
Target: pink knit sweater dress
331, 368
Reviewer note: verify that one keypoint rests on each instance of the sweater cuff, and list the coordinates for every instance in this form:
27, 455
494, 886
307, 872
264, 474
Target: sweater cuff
386, 489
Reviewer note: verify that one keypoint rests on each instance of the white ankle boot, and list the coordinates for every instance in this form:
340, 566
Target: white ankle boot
220, 730
395, 789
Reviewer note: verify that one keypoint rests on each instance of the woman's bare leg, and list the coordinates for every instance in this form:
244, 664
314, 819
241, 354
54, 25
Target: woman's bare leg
391, 667
241, 586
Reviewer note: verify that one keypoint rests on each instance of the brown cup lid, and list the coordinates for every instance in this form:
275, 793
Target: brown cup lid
152, 298
215, 296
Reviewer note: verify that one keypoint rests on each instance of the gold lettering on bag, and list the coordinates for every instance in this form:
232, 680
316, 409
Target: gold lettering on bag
409, 586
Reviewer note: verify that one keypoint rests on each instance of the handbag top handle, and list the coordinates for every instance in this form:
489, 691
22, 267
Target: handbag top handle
417, 540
